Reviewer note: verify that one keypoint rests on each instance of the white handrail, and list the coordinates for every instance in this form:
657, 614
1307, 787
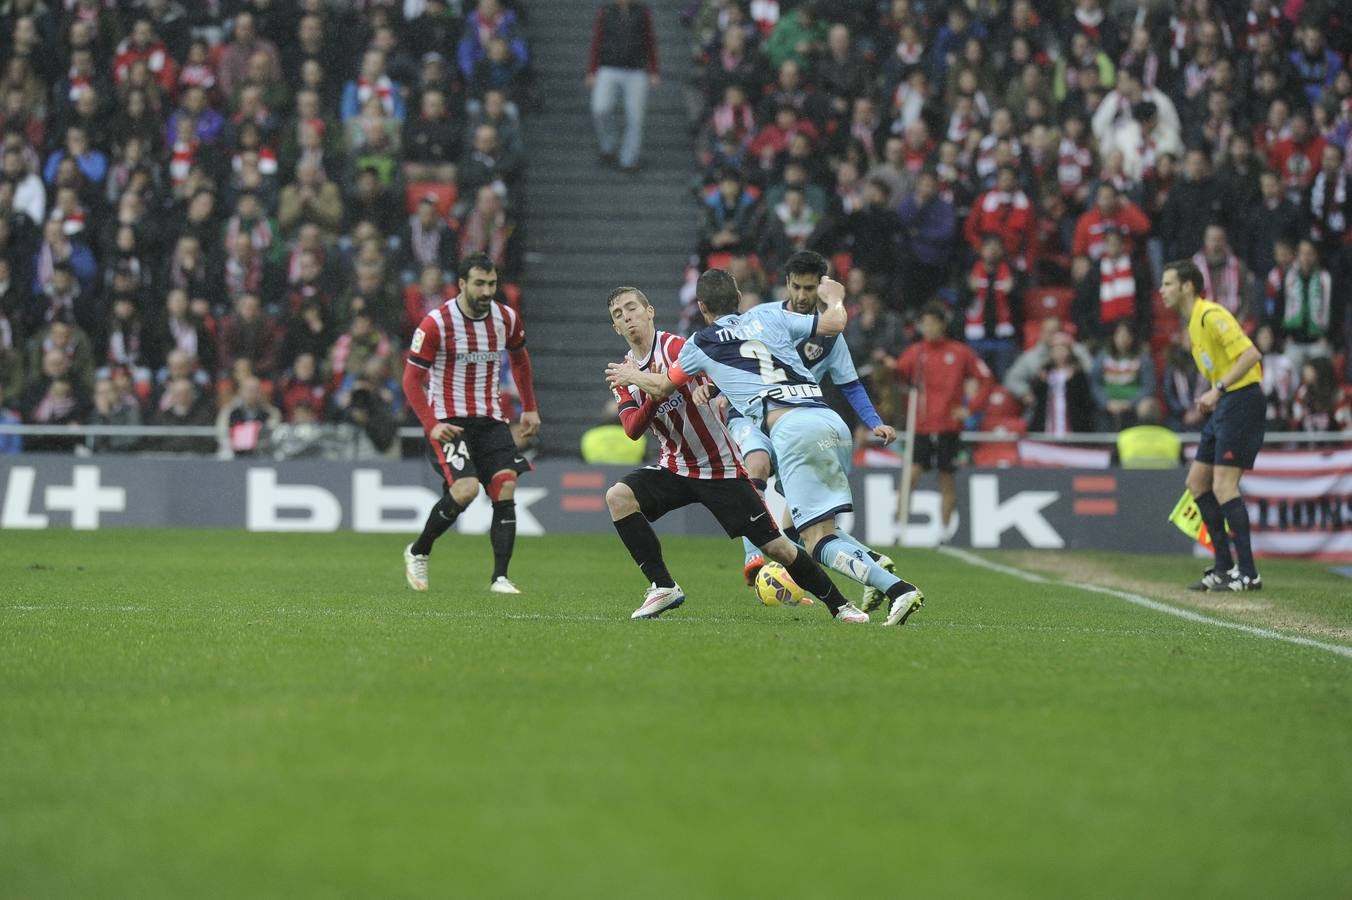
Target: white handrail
1089, 437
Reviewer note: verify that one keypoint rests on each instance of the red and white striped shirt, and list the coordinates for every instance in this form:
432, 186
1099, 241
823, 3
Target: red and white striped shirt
464, 356
694, 439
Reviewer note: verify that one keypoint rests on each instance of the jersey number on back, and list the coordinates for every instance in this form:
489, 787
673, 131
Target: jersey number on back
769, 372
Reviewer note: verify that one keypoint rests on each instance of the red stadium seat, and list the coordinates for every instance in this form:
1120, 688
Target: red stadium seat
446, 194
995, 455
1000, 454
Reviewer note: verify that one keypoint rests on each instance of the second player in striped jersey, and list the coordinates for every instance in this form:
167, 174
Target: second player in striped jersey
694, 439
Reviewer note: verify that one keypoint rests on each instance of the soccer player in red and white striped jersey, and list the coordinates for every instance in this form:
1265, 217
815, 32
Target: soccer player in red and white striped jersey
451, 383
698, 463
694, 439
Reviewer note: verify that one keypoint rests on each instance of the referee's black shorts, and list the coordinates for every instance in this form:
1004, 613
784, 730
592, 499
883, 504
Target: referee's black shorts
1233, 434
735, 502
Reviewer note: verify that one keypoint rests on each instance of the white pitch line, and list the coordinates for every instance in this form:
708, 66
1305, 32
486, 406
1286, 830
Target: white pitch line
973, 560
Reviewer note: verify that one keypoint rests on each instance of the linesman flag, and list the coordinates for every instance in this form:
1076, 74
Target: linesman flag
1188, 518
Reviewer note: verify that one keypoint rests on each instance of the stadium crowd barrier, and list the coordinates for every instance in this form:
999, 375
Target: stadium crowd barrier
1300, 501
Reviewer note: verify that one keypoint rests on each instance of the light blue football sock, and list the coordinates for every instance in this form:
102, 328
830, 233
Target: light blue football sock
851, 539
853, 561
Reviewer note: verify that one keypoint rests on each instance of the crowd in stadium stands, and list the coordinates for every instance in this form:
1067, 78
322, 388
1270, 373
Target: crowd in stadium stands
1032, 164
237, 211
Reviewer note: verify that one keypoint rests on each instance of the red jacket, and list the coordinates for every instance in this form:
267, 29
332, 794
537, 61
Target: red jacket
1297, 164
1090, 227
1008, 215
162, 67
940, 370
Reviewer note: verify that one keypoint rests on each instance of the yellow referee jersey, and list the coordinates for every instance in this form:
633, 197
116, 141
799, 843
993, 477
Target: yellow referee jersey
1217, 341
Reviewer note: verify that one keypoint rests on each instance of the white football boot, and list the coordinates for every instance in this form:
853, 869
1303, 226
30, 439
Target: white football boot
904, 605
658, 600
852, 614
415, 569
503, 585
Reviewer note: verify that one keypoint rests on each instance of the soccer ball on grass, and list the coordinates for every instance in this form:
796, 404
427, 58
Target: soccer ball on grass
775, 587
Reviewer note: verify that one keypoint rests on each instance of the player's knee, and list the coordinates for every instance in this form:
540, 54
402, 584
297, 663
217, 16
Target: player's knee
502, 486
757, 466
464, 490
620, 500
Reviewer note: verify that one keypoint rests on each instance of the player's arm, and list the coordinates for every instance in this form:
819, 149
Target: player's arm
658, 385
634, 416
833, 318
422, 355
654, 384
846, 377
978, 384
522, 376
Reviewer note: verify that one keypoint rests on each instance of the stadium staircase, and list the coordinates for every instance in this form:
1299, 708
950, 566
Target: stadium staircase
592, 228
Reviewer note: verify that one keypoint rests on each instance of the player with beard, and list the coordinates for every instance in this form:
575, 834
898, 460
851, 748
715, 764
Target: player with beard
451, 383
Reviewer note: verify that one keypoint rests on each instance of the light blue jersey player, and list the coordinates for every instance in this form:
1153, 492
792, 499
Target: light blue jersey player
753, 359
827, 358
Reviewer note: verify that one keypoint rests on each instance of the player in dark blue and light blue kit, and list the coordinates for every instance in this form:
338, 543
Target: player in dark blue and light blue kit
753, 359
827, 358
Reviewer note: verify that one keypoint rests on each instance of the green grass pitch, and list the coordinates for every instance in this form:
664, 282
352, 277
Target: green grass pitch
212, 714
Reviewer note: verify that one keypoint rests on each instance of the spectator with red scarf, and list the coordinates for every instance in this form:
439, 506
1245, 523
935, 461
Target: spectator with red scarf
1110, 211
993, 317
1116, 295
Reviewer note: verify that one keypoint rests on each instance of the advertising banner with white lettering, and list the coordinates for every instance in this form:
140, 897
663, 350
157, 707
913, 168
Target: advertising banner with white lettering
1300, 504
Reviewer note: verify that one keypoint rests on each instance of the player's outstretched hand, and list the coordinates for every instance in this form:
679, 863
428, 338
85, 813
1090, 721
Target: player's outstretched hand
885, 433
530, 424
621, 374
445, 431
831, 291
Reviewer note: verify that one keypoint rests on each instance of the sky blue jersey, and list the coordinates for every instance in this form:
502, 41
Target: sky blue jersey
827, 358
753, 358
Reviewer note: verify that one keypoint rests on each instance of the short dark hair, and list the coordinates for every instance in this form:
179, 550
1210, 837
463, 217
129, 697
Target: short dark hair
1188, 273
717, 290
480, 261
806, 262
936, 309
623, 289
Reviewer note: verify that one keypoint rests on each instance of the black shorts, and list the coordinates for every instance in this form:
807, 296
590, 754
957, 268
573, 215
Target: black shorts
483, 449
946, 446
1233, 434
735, 502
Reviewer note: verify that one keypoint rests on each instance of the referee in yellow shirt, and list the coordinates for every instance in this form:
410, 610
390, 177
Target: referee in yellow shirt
1233, 433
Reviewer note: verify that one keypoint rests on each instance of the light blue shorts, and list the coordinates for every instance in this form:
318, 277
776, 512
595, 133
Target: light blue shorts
813, 449
750, 438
